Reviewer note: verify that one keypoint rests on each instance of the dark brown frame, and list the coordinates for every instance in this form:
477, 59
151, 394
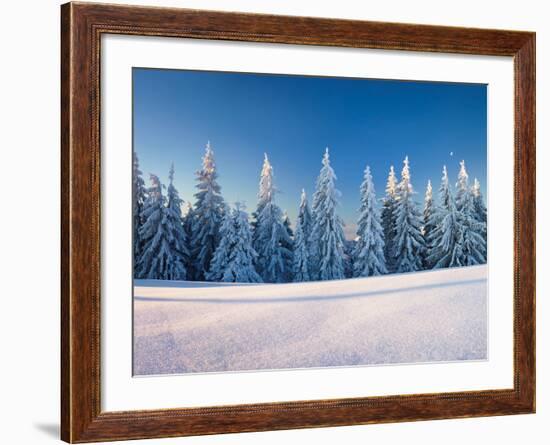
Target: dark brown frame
82, 25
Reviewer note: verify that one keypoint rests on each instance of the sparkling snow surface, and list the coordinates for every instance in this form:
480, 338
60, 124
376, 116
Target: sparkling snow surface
428, 316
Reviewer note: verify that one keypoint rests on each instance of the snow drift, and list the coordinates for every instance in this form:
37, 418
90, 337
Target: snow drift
430, 316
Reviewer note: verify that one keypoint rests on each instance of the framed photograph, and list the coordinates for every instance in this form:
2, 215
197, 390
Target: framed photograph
275, 222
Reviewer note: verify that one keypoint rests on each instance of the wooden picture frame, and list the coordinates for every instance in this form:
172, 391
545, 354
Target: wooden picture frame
82, 25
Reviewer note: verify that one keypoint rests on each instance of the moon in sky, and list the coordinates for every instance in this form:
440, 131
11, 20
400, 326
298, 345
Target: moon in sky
451, 153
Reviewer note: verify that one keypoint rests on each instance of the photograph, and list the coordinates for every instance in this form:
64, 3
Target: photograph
288, 221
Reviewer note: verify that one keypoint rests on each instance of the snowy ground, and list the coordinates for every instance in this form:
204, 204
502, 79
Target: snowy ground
200, 327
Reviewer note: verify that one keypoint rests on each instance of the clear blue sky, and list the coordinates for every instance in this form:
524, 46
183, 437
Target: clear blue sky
293, 118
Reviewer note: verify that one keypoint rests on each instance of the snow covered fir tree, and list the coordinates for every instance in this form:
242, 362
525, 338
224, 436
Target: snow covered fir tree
369, 249
208, 214
213, 240
427, 223
272, 241
233, 261
305, 222
164, 253
301, 261
445, 240
388, 219
481, 211
138, 201
327, 235
408, 243
474, 246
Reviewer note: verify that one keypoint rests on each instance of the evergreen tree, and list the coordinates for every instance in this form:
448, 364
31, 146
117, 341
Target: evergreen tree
427, 224
462, 187
446, 237
241, 260
266, 190
328, 233
305, 219
304, 215
349, 251
301, 262
209, 207
474, 247
288, 244
163, 255
481, 212
233, 261
288, 226
179, 241
139, 197
408, 241
188, 221
270, 239
388, 220
369, 249
220, 259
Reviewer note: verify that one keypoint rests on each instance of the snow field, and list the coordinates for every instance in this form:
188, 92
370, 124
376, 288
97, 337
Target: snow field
430, 316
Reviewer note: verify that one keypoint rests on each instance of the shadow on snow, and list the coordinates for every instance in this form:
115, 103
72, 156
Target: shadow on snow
288, 299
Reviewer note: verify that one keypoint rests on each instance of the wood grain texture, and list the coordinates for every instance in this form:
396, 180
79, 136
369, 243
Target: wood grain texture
81, 28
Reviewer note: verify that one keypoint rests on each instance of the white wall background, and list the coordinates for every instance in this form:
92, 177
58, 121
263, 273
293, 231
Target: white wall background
29, 219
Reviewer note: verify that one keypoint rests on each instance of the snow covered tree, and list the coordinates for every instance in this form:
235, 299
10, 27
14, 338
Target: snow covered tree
408, 242
139, 197
462, 187
302, 242
233, 261
368, 258
163, 256
388, 219
446, 237
473, 242
349, 251
305, 218
270, 238
240, 268
427, 223
481, 212
188, 220
265, 191
304, 215
288, 243
209, 207
479, 204
179, 241
328, 233
288, 226
220, 259
301, 264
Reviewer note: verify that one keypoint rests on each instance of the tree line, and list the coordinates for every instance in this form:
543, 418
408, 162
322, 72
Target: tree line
212, 241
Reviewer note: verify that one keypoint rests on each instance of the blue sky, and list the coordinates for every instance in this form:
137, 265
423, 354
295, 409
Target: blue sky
293, 118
